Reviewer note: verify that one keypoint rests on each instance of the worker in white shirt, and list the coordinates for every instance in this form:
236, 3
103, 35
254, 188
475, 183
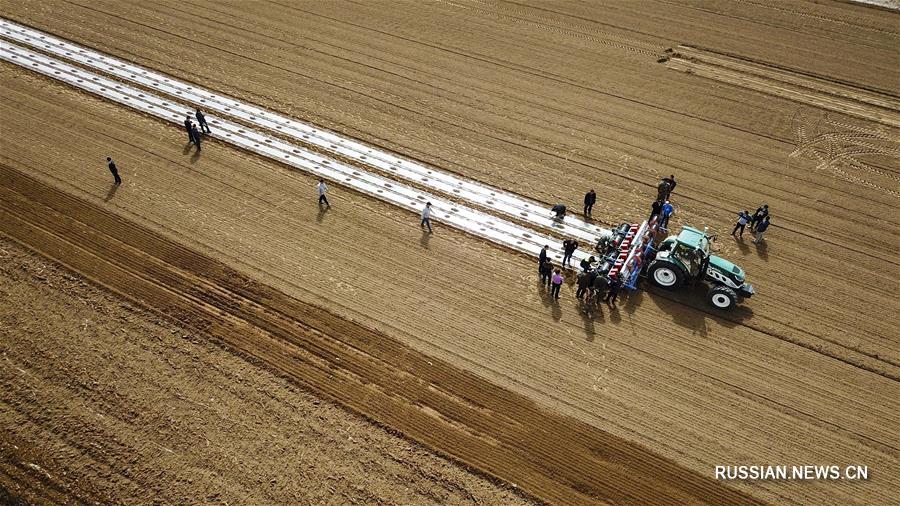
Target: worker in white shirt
322, 189
426, 217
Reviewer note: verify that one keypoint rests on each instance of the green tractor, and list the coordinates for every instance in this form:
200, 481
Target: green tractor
686, 258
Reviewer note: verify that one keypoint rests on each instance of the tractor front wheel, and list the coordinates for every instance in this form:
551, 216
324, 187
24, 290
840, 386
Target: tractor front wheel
721, 297
666, 274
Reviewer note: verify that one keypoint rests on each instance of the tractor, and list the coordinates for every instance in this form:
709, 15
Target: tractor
686, 258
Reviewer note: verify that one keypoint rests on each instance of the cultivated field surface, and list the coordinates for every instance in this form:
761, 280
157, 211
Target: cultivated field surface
199, 333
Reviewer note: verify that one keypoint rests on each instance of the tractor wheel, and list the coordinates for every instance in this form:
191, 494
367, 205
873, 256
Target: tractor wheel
721, 297
666, 274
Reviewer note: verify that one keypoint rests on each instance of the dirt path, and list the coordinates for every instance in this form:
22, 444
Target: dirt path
787, 379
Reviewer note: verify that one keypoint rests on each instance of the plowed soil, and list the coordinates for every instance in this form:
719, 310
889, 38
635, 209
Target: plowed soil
105, 402
447, 339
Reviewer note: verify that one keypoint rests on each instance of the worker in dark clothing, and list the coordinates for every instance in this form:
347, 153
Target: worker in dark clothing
543, 256
569, 247
761, 212
599, 284
559, 210
187, 126
671, 182
655, 209
761, 228
545, 270
201, 120
114, 170
590, 198
583, 284
586, 264
665, 188
612, 291
195, 133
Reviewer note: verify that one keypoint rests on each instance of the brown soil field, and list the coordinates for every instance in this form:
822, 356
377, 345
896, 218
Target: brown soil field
105, 402
446, 338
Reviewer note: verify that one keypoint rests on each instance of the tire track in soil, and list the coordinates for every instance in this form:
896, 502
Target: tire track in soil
553, 457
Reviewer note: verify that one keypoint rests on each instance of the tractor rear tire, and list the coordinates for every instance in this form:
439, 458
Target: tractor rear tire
721, 297
666, 275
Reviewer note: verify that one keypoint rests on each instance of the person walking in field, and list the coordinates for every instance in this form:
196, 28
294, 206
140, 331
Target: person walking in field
195, 133
761, 212
743, 219
761, 228
556, 282
322, 188
426, 217
546, 271
190, 130
201, 120
590, 198
115, 171
569, 247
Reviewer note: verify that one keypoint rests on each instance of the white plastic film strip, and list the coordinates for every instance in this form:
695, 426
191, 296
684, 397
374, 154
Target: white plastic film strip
475, 222
497, 200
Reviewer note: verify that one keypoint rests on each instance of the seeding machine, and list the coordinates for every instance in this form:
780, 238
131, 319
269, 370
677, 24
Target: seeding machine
631, 251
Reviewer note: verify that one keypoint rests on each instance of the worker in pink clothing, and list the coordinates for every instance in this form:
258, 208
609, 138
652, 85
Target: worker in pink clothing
556, 281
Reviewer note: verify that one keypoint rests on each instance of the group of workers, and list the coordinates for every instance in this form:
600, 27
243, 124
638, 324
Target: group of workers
758, 221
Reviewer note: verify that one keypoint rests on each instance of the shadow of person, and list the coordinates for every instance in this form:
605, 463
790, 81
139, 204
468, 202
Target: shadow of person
425, 239
187, 148
587, 317
743, 246
323, 210
633, 300
614, 316
557, 310
111, 192
762, 250
195, 156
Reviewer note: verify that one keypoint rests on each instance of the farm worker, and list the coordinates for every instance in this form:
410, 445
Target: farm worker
586, 264
655, 209
665, 188
671, 182
612, 290
322, 187
599, 284
761, 212
761, 228
115, 172
543, 256
196, 134
187, 126
556, 282
426, 217
590, 198
583, 283
546, 269
743, 219
201, 119
667, 211
559, 210
569, 247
